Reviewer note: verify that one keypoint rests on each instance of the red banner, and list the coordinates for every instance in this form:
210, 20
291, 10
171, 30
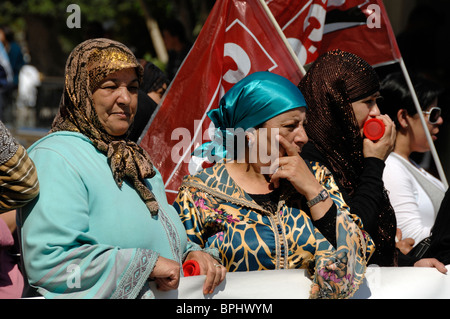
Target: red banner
237, 39
314, 27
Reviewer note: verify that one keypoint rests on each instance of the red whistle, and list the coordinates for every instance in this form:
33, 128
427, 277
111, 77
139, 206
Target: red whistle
374, 129
191, 268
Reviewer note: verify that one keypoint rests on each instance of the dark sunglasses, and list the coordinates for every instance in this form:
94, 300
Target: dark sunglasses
433, 114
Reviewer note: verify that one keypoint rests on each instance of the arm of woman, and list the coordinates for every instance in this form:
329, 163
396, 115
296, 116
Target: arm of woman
368, 195
294, 169
19, 183
61, 255
325, 178
352, 249
208, 258
190, 215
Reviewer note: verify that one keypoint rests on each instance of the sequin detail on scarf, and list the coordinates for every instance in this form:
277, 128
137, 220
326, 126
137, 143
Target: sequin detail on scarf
333, 82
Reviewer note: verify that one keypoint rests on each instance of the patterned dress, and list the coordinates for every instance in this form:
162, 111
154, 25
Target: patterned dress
217, 213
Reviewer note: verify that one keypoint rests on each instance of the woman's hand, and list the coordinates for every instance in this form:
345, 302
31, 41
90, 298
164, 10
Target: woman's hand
431, 262
215, 273
166, 274
293, 168
405, 245
385, 145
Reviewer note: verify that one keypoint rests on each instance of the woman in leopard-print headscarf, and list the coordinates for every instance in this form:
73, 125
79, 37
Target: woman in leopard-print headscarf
102, 226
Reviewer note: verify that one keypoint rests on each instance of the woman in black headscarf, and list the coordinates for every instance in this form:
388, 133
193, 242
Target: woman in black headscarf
341, 90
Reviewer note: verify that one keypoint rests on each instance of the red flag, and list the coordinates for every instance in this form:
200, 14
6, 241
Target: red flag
237, 39
314, 27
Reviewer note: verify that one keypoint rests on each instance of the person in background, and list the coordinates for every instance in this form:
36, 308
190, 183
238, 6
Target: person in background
18, 185
342, 91
101, 226
262, 208
27, 94
415, 194
16, 62
177, 45
155, 82
6, 80
154, 85
14, 51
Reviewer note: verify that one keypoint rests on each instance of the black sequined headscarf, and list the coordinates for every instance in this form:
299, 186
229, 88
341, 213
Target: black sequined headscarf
334, 81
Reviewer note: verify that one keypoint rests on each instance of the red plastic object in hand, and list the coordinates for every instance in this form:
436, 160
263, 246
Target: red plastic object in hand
374, 129
191, 268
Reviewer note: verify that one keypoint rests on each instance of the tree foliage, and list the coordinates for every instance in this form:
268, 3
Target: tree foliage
42, 27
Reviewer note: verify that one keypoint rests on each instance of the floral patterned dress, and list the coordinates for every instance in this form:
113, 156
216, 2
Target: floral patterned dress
217, 213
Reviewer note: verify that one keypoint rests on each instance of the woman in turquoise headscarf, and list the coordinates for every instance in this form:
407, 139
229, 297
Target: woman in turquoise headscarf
260, 205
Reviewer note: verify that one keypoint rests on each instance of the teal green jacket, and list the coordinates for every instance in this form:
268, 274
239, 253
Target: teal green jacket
84, 237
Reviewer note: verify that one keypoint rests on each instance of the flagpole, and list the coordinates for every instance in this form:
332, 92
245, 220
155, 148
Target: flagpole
424, 124
283, 37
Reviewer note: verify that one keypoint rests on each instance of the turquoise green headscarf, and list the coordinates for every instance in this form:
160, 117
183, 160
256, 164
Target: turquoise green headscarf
252, 101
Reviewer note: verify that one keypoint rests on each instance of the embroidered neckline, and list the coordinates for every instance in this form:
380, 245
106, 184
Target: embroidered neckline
215, 181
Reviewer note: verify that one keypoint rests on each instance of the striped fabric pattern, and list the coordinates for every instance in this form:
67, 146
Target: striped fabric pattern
18, 181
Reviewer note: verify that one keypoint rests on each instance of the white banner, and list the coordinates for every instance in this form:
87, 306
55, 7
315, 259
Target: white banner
380, 283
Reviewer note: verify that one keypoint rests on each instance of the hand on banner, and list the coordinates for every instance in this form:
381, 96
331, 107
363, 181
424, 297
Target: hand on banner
166, 274
431, 262
385, 145
215, 272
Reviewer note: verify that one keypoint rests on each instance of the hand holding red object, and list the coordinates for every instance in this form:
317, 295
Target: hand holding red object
374, 129
191, 268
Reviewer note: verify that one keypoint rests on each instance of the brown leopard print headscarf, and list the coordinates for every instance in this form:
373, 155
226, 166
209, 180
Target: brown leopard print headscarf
88, 64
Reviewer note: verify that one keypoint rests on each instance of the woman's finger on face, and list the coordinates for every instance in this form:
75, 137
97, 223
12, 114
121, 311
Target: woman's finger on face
274, 166
291, 150
275, 169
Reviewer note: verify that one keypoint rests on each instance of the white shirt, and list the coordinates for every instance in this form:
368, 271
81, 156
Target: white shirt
413, 207
29, 80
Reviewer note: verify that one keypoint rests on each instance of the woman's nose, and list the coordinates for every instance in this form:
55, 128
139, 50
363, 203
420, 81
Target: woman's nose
375, 111
301, 137
124, 96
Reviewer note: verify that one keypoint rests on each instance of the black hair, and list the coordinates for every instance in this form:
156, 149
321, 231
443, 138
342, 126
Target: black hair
9, 34
154, 78
176, 29
396, 94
